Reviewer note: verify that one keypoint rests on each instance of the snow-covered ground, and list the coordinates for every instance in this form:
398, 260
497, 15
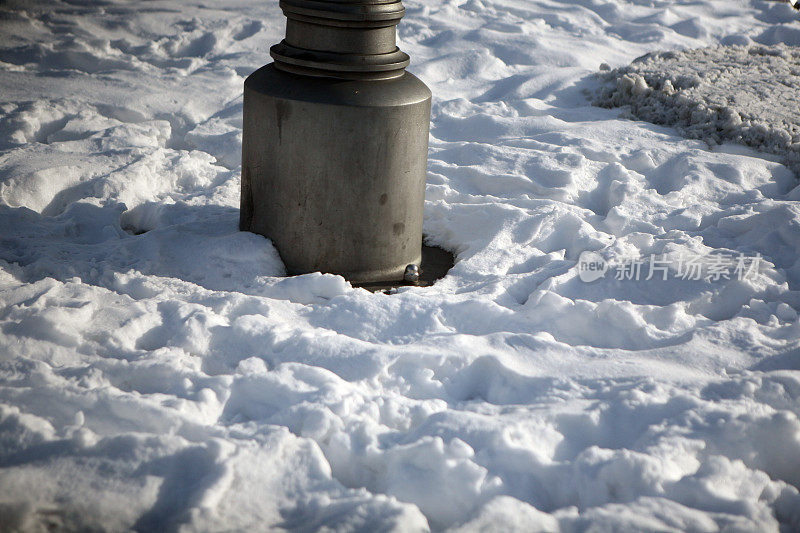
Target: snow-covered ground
158, 373
749, 94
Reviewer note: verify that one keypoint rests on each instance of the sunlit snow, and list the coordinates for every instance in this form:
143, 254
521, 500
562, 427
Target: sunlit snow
158, 372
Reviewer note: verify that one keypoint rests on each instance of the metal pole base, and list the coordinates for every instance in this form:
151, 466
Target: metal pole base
333, 171
436, 263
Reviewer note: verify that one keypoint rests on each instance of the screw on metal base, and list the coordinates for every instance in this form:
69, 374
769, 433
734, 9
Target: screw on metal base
435, 264
411, 274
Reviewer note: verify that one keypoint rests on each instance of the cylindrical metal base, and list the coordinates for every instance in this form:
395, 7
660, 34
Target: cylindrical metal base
333, 171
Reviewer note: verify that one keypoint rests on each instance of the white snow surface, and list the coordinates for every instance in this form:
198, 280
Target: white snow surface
158, 372
746, 94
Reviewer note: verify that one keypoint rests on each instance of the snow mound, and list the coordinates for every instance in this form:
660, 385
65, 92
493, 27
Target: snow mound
747, 94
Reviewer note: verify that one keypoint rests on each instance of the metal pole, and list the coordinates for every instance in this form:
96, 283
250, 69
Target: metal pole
335, 143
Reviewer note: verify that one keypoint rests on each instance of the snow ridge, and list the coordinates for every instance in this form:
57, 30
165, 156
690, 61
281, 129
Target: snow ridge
747, 94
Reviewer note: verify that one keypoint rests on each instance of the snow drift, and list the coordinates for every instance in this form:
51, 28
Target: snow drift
745, 94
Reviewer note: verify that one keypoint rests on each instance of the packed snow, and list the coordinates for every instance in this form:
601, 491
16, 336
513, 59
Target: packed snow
160, 373
748, 94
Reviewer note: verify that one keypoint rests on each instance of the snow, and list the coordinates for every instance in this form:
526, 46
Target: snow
160, 373
746, 94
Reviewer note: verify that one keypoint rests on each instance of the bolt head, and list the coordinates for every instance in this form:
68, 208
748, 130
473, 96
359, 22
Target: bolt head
411, 274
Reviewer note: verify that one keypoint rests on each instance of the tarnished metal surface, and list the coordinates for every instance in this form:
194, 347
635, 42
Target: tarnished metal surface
354, 40
335, 144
